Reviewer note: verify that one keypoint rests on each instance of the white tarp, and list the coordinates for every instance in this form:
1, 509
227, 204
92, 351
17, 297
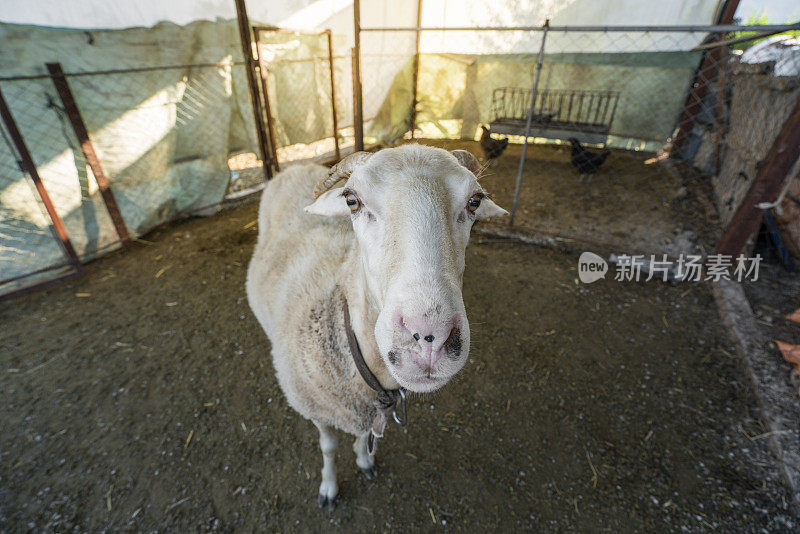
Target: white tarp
162, 136
471, 13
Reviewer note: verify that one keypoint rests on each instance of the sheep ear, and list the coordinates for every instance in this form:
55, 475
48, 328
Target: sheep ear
466, 159
489, 209
329, 204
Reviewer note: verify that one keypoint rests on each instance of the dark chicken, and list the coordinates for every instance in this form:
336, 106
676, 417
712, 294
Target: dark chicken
586, 162
492, 148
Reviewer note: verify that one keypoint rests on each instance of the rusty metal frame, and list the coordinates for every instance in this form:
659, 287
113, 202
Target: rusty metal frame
262, 71
277, 29
358, 103
777, 166
29, 166
36, 286
415, 78
265, 85
534, 90
329, 35
79, 127
130, 70
702, 79
247, 50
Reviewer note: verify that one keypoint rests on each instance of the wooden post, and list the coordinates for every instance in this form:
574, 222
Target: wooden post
358, 105
415, 80
79, 127
247, 50
333, 96
700, 85
30, 168
770, 177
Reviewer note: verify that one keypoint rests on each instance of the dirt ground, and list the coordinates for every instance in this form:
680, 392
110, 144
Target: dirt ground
634, 204
774, 297
142, 398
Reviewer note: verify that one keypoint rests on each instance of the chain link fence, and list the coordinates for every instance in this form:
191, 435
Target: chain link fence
634, 134
29, 249
171, 141
640, 141
307, 79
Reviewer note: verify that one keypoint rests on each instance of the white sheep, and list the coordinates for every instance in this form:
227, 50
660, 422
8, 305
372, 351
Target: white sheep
384, 253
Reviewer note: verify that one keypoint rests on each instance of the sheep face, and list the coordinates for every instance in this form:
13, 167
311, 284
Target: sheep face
412, 209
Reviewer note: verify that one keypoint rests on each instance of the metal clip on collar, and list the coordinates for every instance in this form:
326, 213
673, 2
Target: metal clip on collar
400, 400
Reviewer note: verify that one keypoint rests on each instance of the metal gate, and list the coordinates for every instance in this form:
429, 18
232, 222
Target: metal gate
300, 78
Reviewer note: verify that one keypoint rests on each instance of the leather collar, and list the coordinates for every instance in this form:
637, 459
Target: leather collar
389, 400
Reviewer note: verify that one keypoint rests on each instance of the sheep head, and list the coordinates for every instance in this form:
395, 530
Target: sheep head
412, 209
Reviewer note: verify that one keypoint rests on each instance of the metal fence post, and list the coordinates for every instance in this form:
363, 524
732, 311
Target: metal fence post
539, 61
262, 69
415, 79
778, 163
358, 104
79, 127
247, 50
709, 65
333, 95
30, 168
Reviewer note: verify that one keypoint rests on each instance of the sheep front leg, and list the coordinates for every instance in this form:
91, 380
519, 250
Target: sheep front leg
328, 489
364, 459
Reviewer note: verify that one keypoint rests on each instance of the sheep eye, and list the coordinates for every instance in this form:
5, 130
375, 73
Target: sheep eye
474, 202
352, 202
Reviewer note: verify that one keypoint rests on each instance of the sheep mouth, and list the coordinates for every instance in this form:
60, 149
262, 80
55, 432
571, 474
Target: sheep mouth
421, 383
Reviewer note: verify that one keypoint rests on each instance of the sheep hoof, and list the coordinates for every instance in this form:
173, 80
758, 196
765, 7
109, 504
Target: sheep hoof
323, 501
370, 472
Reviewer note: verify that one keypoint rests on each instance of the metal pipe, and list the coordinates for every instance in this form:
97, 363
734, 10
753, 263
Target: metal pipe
277, 29
124, 71
273, 143
688, 29
415, 80
246, 39
358, 104
766, 186
742, 39
30, 167
333, 95
539, 62
718, 28
709, 65
36, 286
79, 127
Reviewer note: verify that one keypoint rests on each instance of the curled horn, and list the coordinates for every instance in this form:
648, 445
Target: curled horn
466, 159
340, 171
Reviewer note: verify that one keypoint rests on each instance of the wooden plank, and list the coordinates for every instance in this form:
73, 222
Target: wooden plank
766, 187
79, 127
30, 168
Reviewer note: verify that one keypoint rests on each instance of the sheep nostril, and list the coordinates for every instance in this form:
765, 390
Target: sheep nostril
416, 336
428, 338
